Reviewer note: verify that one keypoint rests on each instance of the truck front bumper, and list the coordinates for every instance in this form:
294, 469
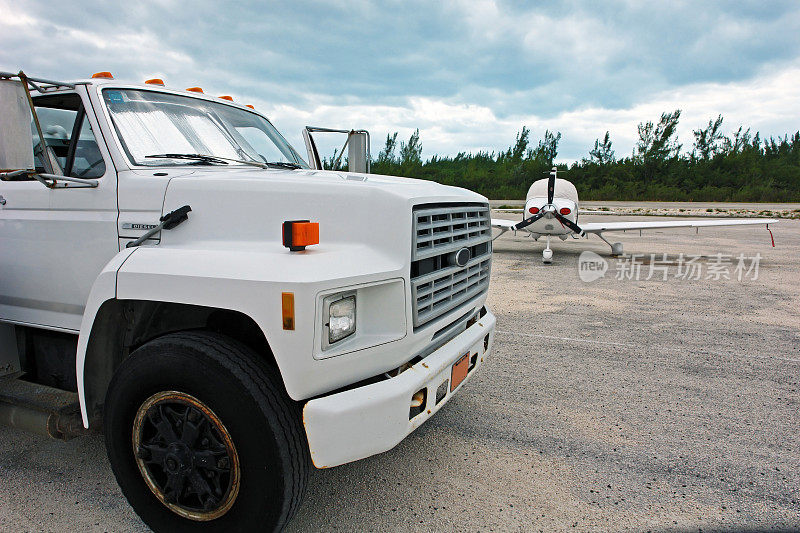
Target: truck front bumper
363, 421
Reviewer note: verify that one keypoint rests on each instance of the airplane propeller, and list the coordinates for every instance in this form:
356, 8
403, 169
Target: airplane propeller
568, 223
530, 220
550, 208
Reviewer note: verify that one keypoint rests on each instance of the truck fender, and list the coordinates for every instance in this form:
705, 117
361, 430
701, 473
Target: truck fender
241, 280
103, 289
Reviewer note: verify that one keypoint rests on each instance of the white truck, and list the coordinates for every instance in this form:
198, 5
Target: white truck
175, 275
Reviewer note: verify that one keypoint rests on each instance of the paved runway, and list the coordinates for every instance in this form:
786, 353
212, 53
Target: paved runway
614, 405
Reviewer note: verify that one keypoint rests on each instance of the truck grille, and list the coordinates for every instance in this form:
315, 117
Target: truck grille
438, 285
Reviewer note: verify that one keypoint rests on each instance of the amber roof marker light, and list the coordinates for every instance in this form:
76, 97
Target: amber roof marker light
103, 75
297, 234
155, 81
195, 90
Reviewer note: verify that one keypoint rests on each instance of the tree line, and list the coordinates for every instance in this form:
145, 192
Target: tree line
741, 167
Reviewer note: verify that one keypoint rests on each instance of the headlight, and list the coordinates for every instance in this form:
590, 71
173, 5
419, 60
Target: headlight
340, 316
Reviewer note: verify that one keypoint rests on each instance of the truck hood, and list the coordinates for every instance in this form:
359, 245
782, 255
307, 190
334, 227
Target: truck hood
347, 181
245, 208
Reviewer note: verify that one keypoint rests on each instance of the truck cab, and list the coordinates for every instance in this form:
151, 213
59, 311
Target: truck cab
176, 276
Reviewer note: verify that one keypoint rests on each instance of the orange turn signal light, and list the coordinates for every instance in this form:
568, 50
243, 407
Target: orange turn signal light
195, 89
103, 74
250, 106
228, 98
155, 81
297, 234
287, 310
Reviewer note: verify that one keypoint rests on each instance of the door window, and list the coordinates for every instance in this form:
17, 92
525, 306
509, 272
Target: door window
88, 161
68, 137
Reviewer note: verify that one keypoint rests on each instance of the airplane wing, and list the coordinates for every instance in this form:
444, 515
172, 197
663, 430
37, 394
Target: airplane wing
602, 227
581, 211
503, 224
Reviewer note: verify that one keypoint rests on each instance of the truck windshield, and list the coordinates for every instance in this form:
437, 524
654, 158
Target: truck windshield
150, 123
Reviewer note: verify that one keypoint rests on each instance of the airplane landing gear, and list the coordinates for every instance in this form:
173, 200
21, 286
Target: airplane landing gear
616, 248
547, 253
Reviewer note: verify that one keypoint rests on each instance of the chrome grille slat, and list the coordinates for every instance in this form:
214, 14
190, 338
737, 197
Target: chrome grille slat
438, 230
421, 239
441, 275
427, 311
456, 284
462, 210
445, 222
441, 230
465, 286
448, 247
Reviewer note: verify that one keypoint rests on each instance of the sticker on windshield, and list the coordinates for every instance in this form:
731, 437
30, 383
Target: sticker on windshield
115, 96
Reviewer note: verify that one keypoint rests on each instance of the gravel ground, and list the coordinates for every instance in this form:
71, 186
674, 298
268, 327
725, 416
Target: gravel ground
616, 405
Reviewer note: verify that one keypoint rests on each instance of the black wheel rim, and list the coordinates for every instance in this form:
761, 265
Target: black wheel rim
186, 455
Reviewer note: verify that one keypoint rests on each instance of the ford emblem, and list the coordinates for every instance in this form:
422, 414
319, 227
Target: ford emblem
462, 257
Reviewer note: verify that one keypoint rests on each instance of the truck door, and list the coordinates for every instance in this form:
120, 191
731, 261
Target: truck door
54, 242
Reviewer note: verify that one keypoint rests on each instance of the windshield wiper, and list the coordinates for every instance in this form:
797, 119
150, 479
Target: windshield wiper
283, 164
196, 157
224, 160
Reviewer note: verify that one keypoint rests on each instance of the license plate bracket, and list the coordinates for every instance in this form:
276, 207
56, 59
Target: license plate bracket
459, 371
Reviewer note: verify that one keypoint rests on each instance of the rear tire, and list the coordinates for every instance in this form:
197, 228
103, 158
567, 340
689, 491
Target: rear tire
201, 436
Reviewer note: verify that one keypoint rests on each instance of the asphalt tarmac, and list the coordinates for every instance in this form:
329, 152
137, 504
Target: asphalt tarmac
612, 405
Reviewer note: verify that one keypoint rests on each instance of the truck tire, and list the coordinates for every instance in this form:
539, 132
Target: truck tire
201, 436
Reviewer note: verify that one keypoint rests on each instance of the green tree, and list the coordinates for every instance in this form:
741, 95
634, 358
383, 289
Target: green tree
411, 152
547, 149
739, 168
332, 163
737, 142
602, 154
656, 143
387, 154
708, 141
521, 145
656, 148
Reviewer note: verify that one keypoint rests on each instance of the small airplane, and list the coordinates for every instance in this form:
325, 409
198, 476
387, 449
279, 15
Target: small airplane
552, 206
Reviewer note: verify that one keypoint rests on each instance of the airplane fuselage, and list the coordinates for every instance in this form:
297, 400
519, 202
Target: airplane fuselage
565, 202
549, 224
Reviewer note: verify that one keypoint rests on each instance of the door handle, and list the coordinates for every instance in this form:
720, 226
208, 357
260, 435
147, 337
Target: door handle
2, 200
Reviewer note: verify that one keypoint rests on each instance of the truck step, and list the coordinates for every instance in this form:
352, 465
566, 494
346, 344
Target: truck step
40, 409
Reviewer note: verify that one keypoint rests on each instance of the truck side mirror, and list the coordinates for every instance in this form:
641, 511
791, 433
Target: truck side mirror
357, 144
16, 149
358, 151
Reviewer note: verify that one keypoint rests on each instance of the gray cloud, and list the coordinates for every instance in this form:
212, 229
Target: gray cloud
516, 59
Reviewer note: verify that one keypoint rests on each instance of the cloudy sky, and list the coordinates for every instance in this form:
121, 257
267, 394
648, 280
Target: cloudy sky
468, 73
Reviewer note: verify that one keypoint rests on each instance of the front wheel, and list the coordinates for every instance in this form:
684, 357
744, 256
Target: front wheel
201, 436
